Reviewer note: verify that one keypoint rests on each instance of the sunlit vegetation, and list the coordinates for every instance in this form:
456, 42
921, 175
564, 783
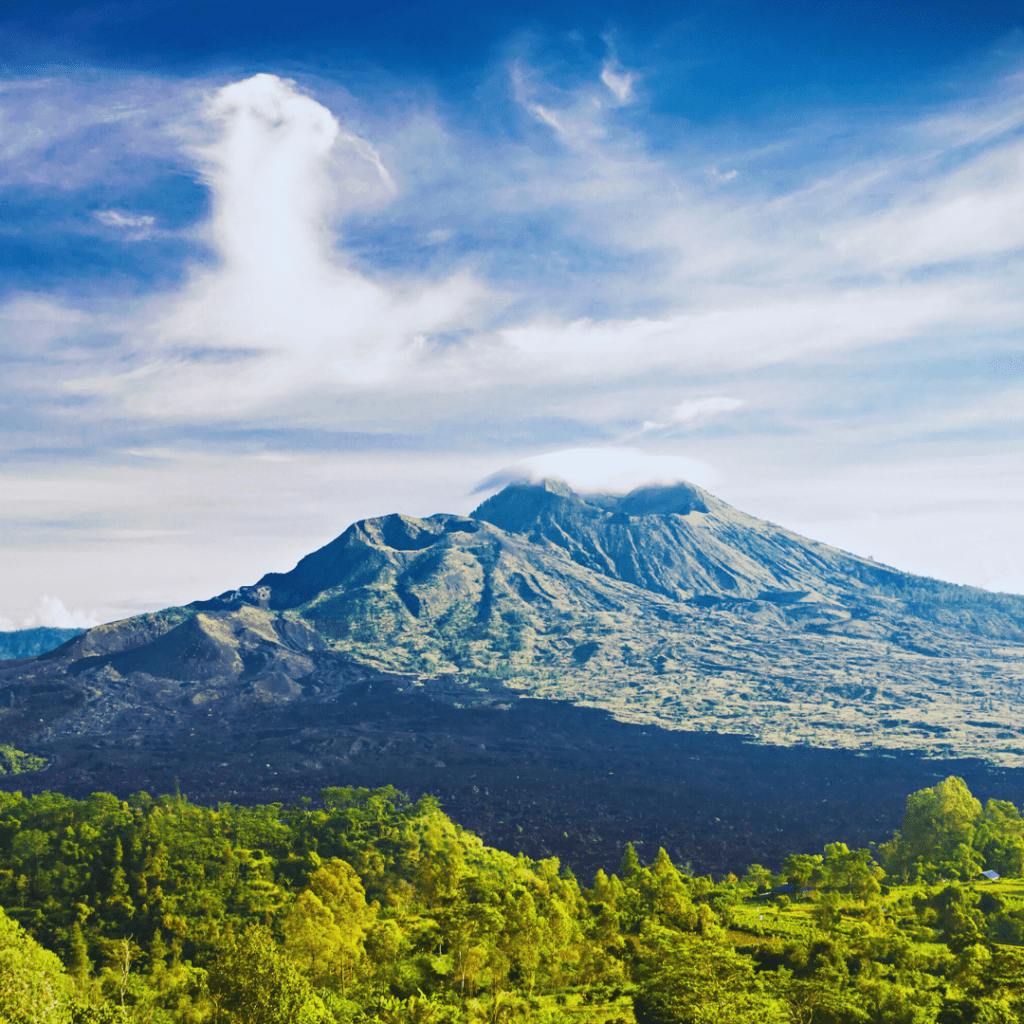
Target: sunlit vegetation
369, 907
15, 762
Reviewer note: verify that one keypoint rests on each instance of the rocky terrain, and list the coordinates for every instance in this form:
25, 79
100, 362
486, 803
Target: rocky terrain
572, 671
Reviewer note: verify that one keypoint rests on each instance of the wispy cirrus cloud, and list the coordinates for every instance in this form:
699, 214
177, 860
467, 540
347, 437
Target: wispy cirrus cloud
619, 82
695, 410
68, 131
133, 227
876, 253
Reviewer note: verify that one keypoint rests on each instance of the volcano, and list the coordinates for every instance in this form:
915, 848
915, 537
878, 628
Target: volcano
550, 641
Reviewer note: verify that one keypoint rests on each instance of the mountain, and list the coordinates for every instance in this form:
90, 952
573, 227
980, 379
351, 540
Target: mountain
27, 643
665, 607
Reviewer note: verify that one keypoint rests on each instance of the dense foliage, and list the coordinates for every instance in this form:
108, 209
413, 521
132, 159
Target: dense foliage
369, 907
16, 762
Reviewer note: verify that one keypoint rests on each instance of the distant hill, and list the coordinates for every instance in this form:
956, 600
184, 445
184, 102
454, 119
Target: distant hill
29, 643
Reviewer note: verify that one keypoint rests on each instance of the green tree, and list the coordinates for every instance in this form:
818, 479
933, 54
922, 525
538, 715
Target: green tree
851, 871
684, 979
78, 955
314, 940
324, 929
33, 986
1000, 838
383, 944
956, 915
937, 821
802, 870
521, 941
630, 863
757, 879
252, 982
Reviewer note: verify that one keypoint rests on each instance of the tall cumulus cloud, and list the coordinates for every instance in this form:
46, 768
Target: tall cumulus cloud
282, 310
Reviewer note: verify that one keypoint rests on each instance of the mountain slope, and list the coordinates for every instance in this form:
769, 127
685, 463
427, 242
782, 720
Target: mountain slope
665, 606
668, 606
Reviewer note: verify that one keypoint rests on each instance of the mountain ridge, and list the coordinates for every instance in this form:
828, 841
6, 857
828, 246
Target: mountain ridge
703, 580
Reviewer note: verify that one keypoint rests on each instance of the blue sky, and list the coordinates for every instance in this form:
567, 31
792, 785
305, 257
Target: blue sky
270, 268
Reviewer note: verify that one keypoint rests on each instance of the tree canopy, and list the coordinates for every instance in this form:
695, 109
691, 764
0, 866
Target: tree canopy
369, 907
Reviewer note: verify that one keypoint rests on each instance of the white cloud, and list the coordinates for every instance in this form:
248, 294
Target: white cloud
844, 259
549, 117
33, 322
597, 277
695, 410
699, 408
721, 177
50, 611
117, 219
577, 118
301, 316
64, 132
974, 211
725, 278
620, 83
613, 470
772, 330
135, 227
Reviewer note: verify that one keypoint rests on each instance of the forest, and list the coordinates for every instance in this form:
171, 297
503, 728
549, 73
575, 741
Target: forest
365, 906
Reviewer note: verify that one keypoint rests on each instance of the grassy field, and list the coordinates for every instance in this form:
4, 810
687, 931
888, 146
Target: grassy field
762, 920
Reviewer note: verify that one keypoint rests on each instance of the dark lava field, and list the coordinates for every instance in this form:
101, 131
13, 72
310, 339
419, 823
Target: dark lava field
542, 777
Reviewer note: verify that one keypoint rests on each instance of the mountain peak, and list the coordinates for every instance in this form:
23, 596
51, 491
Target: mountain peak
664, 605
517, 506
680, 498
